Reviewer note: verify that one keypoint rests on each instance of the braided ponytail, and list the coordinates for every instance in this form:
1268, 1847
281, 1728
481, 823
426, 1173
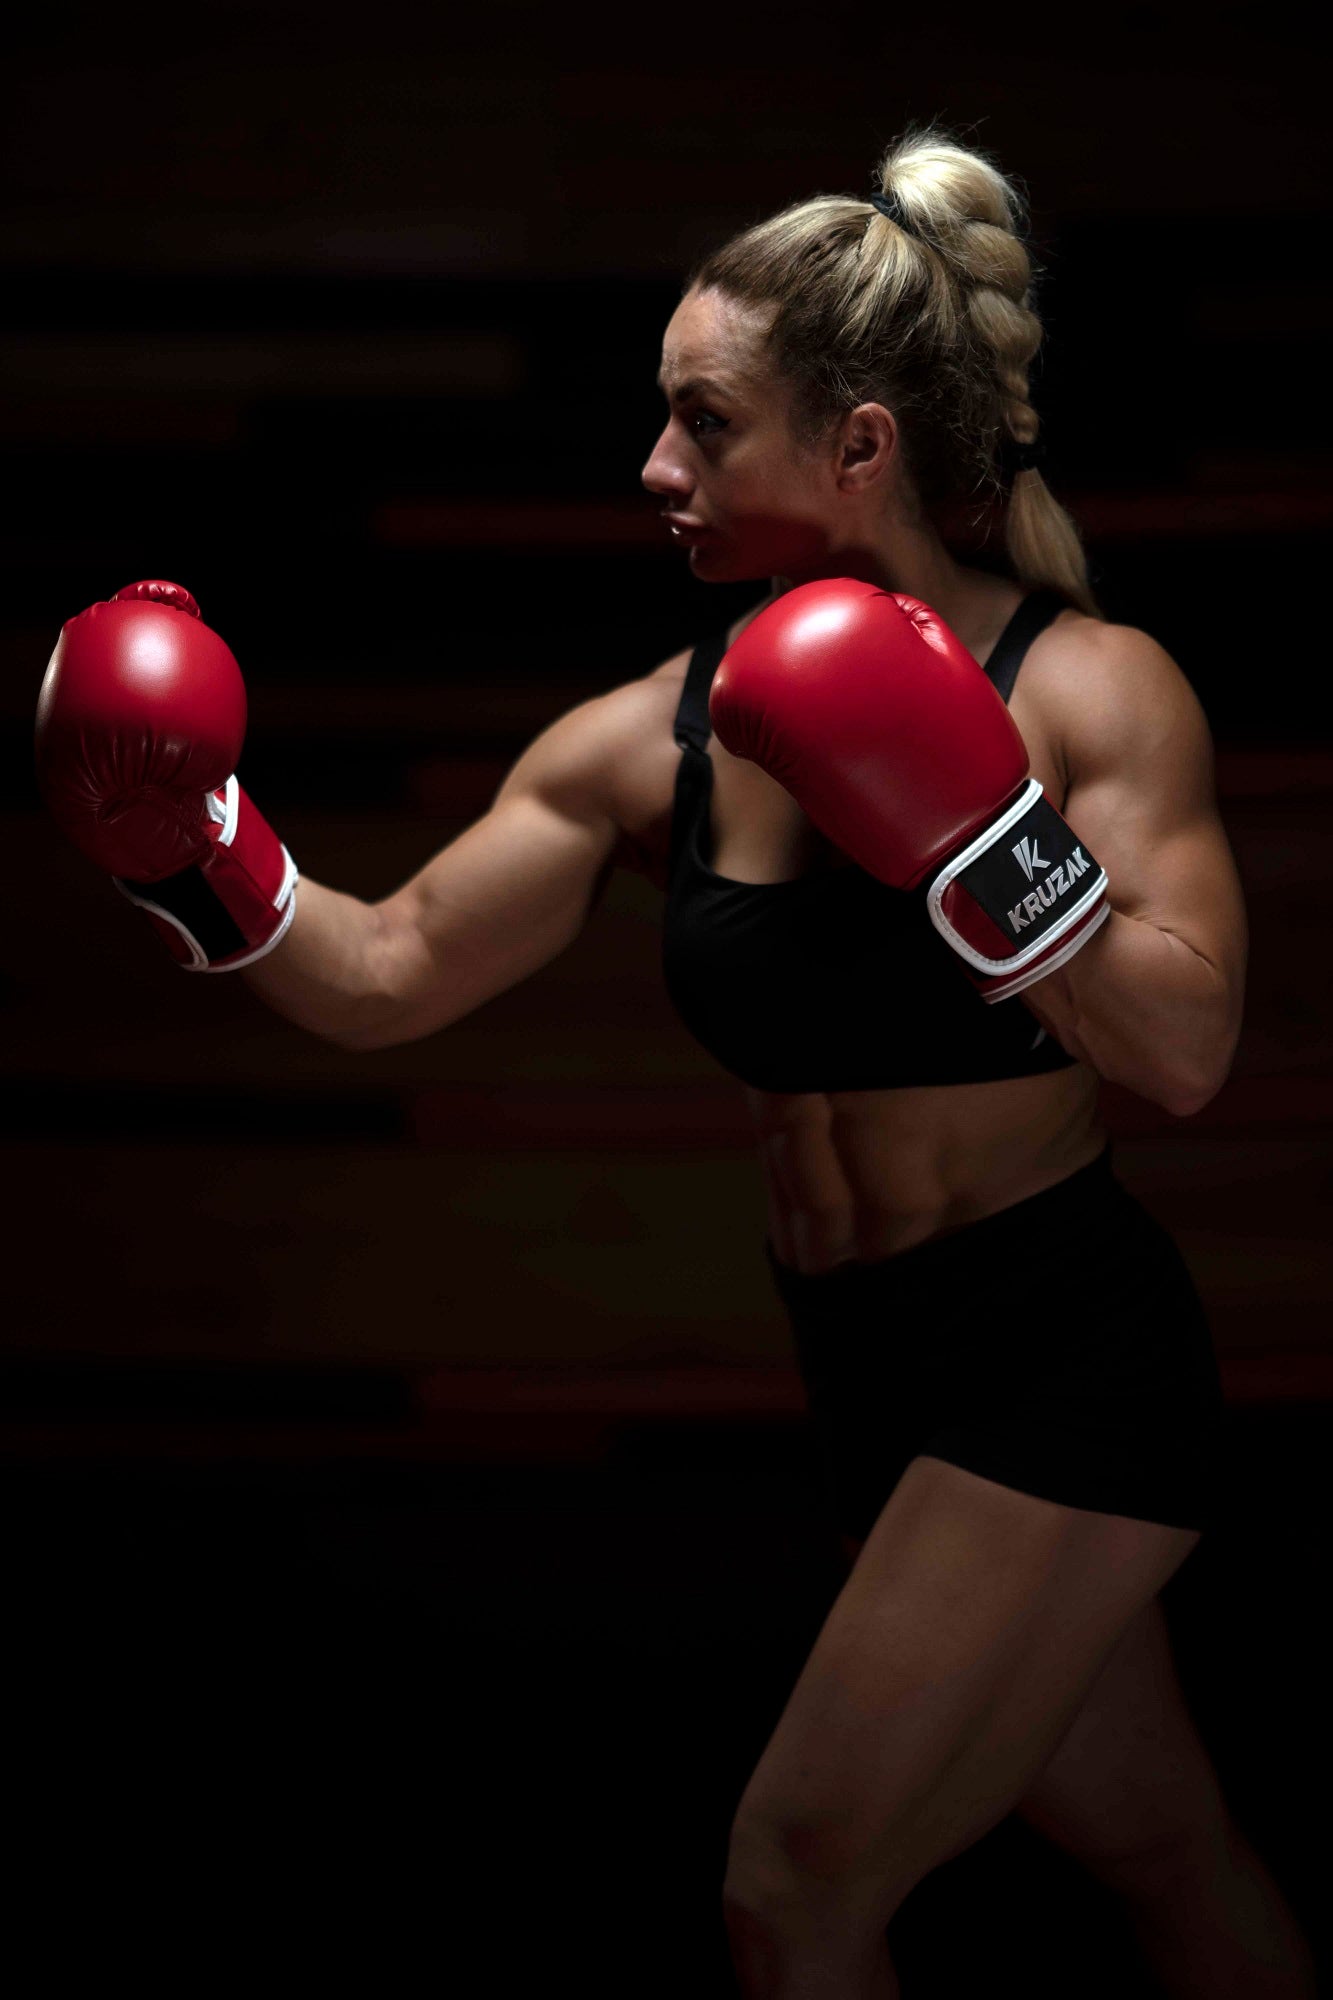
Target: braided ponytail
921, 300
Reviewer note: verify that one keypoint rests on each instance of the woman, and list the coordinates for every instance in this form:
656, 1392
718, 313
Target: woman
1005, 1356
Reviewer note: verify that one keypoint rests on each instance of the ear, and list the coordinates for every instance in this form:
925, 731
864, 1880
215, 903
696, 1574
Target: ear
867, 447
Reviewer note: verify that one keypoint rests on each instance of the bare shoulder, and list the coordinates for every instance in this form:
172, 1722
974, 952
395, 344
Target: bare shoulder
1109, 696
583, 758
640, 756
611, 762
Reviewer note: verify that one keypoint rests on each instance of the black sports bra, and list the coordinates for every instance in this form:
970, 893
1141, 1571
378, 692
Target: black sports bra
831, 981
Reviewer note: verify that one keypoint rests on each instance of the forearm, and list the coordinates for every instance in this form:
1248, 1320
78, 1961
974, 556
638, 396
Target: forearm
330, 972
1143, 1009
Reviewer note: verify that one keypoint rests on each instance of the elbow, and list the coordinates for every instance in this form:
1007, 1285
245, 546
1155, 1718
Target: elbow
1203, 1065
375, 1015
381, 1020
1186, 1095
1185, 1103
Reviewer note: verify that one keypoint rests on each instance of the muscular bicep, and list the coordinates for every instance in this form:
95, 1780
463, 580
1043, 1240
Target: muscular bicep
1141, 798
513, 890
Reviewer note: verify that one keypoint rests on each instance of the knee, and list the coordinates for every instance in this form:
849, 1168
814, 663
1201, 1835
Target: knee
790, 1880
759, 1932
775, 1926
760, 1891
800, 1919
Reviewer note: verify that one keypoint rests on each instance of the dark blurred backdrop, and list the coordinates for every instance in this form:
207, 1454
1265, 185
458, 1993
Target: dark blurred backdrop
403, 1456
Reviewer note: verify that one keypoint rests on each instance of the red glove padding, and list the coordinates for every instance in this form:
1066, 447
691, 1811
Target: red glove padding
139, 726
889, 736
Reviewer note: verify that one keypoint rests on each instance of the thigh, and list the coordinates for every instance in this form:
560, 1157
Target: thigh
973, 1624
1130, 1790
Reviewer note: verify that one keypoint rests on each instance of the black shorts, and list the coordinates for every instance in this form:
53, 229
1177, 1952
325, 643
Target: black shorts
1058, 1346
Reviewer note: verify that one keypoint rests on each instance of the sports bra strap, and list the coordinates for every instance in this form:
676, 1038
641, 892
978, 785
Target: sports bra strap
1033, 615
692, 726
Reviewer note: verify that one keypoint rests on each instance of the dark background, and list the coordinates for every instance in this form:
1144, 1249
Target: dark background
413, 1532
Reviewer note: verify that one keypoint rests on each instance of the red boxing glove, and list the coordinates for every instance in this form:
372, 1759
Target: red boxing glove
888, 735
139, 725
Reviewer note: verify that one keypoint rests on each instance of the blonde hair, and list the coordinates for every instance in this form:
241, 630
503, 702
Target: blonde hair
928, 311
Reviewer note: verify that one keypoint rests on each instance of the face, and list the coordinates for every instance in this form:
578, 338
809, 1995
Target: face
748, 500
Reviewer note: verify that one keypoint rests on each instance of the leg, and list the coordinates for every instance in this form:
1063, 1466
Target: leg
956, 1656
1131, 1793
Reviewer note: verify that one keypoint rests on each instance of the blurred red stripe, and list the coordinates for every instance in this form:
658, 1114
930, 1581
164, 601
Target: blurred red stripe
574, 1117
569, 1118
608, 524
1302, 1376
1270, 769
709, 1389
1244, 1105
464, 786
738, 1393
1107, 517
505, 524
536, 1415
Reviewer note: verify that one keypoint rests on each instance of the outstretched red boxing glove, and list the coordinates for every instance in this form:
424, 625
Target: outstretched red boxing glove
139, 726
889, 736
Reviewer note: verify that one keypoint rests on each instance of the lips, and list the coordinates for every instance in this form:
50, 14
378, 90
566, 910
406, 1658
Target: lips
683, 529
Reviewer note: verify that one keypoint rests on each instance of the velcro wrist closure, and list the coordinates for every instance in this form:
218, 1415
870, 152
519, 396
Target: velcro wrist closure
235, 904
1008, 897
198, 930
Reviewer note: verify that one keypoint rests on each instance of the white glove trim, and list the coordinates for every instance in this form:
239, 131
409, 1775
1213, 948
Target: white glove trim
1014, 961
1039, 972
198, 962
263, 950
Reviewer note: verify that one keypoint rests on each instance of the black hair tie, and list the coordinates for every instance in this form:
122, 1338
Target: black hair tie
1016, 458
888, 204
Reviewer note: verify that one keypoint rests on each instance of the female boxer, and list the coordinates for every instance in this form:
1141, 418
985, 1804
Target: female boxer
1006, 1360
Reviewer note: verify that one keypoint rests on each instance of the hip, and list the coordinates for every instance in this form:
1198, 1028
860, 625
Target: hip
1058, 1346
1076, 1286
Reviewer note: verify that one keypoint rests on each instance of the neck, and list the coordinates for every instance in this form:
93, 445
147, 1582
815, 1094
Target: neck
909, 559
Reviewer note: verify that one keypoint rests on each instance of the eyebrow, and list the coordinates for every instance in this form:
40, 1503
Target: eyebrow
693, 386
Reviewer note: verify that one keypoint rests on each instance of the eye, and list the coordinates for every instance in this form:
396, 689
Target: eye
707, 416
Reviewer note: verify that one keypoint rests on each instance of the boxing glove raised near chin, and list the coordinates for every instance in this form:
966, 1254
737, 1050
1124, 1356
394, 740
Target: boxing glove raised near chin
140, 723
881, 725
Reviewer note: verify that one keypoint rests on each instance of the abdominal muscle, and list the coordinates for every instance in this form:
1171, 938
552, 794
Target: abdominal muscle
864, 1174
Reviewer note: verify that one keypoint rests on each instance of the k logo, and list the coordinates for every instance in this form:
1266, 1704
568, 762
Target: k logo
1027, 857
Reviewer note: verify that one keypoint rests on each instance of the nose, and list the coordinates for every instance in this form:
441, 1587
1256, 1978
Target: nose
664, 474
